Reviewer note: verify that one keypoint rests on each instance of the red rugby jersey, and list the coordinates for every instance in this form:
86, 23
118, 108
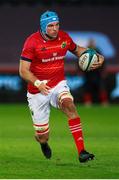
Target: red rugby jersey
47, 57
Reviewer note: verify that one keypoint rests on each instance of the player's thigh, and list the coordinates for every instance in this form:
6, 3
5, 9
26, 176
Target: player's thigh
39, 107
60, 93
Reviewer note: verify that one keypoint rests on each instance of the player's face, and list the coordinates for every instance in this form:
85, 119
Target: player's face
52, 29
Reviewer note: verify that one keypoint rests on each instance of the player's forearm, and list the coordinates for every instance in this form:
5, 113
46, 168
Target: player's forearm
79, 50
27, 75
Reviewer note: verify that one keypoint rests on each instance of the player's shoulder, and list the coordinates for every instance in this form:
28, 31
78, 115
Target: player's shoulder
63, 33
33, 36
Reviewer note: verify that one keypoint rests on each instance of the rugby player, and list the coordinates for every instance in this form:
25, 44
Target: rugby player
42, 66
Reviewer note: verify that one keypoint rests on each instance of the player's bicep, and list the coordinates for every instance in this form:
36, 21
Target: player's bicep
24, 66
75, 50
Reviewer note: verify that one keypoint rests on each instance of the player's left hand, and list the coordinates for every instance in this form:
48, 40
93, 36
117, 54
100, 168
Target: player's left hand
99, 63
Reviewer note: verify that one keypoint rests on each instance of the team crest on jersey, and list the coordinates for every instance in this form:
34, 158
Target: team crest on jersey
63, 45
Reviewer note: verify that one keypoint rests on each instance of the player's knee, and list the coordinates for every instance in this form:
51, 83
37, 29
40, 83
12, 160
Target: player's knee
68, 107
41, 132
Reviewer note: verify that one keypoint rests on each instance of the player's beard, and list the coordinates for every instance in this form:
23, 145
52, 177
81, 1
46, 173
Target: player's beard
54, 36
49, 37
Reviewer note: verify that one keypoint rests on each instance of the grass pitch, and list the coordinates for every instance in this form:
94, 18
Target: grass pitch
21, 158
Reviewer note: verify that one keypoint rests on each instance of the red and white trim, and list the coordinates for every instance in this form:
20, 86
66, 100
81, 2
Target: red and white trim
43, 132
75, 128
40, 125
42, 128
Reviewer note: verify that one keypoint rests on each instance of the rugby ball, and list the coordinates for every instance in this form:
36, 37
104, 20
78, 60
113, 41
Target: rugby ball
87, 58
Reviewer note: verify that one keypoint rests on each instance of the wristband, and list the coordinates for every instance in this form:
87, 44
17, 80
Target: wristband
37, 82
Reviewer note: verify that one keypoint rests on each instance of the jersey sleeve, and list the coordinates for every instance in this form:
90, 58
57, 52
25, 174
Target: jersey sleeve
72, 44
27, 53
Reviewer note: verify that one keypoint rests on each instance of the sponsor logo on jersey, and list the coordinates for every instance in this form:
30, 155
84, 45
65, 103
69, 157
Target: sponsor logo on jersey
53, 59
63, 45
55, 54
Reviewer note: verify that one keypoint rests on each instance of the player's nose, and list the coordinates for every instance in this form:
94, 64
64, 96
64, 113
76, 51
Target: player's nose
55, 28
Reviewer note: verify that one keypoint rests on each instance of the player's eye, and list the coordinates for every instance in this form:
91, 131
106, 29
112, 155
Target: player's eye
50, 25
57, 24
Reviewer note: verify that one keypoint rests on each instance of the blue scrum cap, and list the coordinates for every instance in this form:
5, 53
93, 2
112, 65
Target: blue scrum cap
47, 18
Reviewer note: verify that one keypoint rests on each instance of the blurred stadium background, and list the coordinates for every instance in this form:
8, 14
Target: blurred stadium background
83, 19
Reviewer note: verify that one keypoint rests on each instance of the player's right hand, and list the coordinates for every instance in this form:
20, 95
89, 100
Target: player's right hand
44, 89
99, 63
